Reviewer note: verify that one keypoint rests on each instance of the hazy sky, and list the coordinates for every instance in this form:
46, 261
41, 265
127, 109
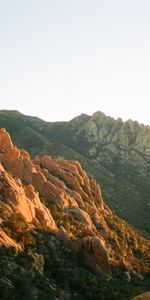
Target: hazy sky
60, 58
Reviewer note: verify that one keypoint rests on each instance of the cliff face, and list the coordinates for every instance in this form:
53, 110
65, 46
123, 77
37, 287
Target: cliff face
128, 141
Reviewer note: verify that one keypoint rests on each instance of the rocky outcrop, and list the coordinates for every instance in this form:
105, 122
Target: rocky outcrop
129, 141
24, 201
15, 196
145, 296
6, 241
96, 255
5, 139
37, 262
92, 249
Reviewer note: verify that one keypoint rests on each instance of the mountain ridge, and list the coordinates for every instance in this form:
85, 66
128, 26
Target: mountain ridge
110, 164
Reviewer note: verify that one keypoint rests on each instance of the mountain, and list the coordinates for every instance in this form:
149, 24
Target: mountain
59, 239
114, 152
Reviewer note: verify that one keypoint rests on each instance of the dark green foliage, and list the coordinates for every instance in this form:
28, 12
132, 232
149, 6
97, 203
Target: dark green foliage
64, 274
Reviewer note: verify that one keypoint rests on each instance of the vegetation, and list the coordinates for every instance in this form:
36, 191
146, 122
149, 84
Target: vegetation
64, 276
17, 229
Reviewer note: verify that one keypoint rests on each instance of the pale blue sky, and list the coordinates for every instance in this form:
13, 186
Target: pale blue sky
60, 58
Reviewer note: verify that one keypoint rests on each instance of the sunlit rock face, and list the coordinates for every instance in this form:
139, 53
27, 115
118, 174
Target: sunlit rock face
6, 241
24, 200
17, 192
96, 254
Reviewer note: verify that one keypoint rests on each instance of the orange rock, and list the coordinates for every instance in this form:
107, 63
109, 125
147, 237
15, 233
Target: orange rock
29, 169
63, 236
13, 153
17, 167
38, 181
87, 232
81, 216
96, 191
6, 241
56, 181
71, 167
51, 193
27, 203
24, 154
96, 255
145, 296
5, 140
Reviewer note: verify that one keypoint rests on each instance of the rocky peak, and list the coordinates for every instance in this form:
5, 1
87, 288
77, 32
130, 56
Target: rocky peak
5, 140
102, 128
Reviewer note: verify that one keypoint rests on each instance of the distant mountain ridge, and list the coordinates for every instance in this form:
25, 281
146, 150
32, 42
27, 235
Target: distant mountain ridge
116, 153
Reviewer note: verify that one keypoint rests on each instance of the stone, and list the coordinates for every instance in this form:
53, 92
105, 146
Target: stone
6, 241
96, 254
37, 262
5, 140
145, 296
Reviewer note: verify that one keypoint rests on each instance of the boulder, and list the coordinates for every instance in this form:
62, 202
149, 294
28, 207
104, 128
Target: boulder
6, 241
145, 296
5, 140
96, 255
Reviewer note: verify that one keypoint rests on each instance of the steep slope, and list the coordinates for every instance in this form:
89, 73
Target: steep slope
124, 150
48, 204
113, 152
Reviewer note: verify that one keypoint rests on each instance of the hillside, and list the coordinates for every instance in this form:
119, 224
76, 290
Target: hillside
113, 152
59, 240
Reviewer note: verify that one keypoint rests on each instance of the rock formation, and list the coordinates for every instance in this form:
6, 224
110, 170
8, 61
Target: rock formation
96, 254
145, 296
6, 241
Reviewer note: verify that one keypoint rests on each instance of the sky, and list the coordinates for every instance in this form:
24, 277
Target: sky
61, 58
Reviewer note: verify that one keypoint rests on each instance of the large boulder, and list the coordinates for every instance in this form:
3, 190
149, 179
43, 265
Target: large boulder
145, 296
5, 139
96, 254
8, 242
